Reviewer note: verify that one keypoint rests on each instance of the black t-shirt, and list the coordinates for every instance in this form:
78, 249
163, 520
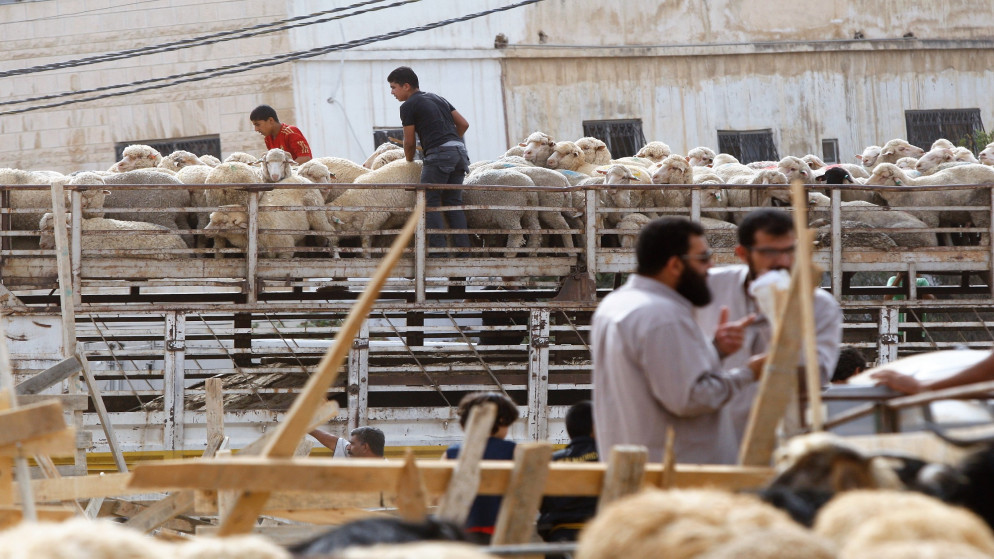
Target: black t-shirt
431, 116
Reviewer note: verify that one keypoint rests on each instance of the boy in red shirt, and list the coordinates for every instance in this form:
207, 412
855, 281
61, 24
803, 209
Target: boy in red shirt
279, 135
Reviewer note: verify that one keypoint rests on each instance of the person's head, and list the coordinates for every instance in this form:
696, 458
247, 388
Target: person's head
507, 411
580, 420
766, 241
365, 442
264, 120
673, 251
403, 83
851, 362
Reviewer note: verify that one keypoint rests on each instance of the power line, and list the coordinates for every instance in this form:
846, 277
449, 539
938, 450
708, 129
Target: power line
240, 33
259, 63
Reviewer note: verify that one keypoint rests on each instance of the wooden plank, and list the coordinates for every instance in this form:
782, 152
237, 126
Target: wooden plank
87, 487
297, 421
799, 200
180, 502
668, 473
625, 473
465, 482
30, 421
412, 504
519, 507
214, 416
133, 511
12, 516
367, 475
51, 472
98, 404
50, 376
205, 502
60, 443
68, 401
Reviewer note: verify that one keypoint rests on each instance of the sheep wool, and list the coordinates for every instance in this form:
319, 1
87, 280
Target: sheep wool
916, 550
942, 523
776, 543
78, 538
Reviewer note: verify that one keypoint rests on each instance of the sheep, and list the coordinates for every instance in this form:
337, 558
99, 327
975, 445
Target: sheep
230, 172
316, 172
931, 549
909, 164
632, 224
502, 163
241, 157
861, 518
643, 162
775, 543
878, 218
676, 170
724, 159
869, 157
675, 524
137, 156
552, 219
178, 160
700, 157
194, 174
759, 165
855, 234
351, 223
702, 174
518, 221
517, 151
794, 168
964, 155
986, 156
537, 148
896, 149
209, 160
294, 221
92, 198
835, 175
743, 198
150, 199
342, 171
567, 155
382, 148
942, 143
166, 240
388, 156
928, 162
277, 166
595, 151
656, 151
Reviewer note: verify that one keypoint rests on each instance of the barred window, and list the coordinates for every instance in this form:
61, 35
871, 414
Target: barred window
392, 135
830, 150
956, 125
198, 145
748, 145
624, 138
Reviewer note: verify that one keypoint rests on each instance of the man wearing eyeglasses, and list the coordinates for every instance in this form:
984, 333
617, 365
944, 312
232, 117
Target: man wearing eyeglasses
363, 442
766, 242
653, 367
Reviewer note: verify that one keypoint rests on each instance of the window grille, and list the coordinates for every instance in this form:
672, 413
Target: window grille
748, 145
830, 150
623, 137
394, 136
199, 145
956, 125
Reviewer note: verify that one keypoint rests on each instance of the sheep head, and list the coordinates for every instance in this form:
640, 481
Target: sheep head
987, 156
138, 156
316, 172
241, 157
825, 462
931, 160
794, 168
656, 151
566, 155
835, 175
814, 162
594, 151
228, 217
942, 143
869, 156
179, 159
538, 147
386, 157
898, 148
700, 157
965, 155
617, 174
907, 163
724, 159
887, 174
380, 149
277, 165
673, 170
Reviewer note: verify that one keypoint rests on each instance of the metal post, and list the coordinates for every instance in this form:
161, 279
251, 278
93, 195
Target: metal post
252, 251
173, 380
358, 390
76, 246
695, 205
837, 244
420, 251
538, 375
888, 335
590, 226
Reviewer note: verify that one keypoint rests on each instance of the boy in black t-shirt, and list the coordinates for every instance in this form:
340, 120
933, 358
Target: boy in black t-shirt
440, 127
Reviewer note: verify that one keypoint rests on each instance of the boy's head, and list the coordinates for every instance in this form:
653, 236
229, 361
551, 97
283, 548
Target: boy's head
403, 83
580, 420
507, 411
264, 120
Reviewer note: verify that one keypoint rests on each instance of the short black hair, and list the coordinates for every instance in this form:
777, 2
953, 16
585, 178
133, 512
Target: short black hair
263, 112
402, 75
580, 420
507, 411
850, 361
372, 437
376, 530
661, 239
773, 222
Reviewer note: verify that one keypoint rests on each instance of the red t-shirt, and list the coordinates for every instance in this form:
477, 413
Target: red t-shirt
291, 139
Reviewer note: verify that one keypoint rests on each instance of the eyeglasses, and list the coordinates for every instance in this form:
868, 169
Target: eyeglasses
770, 252
702, 257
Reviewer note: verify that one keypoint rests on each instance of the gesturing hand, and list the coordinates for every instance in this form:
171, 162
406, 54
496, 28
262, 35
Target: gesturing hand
897, 381
729, 336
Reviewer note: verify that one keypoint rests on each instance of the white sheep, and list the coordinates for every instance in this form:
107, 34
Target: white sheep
382, 148
316, 172
552, 219
910, 164
164, 238
149, 198
775, 543
179, 159
987, 155
629, 228
516, 221
930, 160
137, 156
241, 157
965, 155
569, 156
896, 149
869, 157
700, 157
595, 151
92, 198
942, 143
514, 150
655, 150
878, 217
537, 148
675, 169
295, 223
794, 168
209, 160
388, 156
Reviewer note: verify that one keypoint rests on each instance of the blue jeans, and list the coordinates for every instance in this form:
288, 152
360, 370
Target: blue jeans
445, 165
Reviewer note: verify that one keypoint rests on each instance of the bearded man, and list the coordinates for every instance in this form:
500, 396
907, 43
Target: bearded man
766, 242
653, 367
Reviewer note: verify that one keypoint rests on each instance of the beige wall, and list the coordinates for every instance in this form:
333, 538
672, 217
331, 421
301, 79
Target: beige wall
82, 136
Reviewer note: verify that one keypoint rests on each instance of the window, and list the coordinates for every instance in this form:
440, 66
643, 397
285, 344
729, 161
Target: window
199, 145
394, 136
748, 145
623, 137
830, 150
956, 125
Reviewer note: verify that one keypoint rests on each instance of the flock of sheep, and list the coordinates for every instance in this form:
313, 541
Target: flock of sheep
329, 213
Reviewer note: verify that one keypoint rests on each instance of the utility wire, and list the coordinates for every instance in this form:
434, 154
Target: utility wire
259, 63
241, 33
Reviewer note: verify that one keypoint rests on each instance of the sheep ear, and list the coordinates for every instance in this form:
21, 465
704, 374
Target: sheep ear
859, 156
687, 158
601, 171
106, 192
522, 144
820, 178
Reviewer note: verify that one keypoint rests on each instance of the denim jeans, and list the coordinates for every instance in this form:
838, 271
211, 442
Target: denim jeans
445, 165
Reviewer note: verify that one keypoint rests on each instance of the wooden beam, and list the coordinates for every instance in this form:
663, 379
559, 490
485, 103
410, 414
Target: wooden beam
26, 422
625, 473
98, 404
412, 504
297, 421
50, 376
519, 507
180, 502
59, 443
367, 475
465, 482
68, 401
214, 415
799, 200
87, 487
12, 516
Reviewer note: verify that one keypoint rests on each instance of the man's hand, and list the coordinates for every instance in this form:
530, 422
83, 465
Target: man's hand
730, 335
756, 364
897, 381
